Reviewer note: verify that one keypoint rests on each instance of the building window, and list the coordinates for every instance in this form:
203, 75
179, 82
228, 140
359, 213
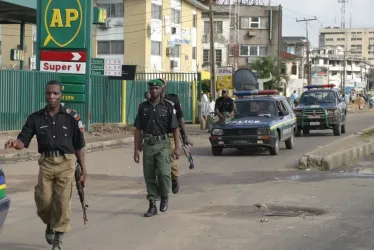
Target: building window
114, 47
156, 11
356, 39
329, 39
194, 52
217, 27
253, 50
175, 16
250, 22
175, 51
206, 56
155, 48
194, 20
113, 9
341, 39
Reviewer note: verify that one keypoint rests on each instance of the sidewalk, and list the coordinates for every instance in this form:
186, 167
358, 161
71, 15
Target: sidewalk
342, 152
94, 142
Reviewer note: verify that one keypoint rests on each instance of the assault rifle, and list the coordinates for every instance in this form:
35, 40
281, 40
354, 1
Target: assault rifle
186, 150
80, 189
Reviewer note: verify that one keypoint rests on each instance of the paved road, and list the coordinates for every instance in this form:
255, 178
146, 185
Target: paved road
215, 207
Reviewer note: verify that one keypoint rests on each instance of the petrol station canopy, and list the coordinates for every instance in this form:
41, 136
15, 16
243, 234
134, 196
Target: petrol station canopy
17, 11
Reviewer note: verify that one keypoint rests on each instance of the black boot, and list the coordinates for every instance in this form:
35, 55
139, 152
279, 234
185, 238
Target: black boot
164, 204
152, 210
174, 186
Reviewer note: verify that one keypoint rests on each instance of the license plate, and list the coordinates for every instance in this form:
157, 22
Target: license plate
314, 123
241, 142
314, 116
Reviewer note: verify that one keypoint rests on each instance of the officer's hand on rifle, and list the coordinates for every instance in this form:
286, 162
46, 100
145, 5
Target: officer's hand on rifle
187, 141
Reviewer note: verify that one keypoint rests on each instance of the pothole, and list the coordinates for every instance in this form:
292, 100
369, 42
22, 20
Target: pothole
289, 211
256, 211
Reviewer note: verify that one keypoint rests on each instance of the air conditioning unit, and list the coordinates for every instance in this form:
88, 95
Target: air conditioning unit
169, 51
173, 64
173, 30
251, 33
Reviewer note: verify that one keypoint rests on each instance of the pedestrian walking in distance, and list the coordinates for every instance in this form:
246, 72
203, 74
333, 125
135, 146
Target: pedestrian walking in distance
156, 118
60, 137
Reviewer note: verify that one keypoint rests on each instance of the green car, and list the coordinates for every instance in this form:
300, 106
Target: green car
320, 108
263, 119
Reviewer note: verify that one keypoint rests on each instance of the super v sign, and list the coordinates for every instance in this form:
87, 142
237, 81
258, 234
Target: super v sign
63, 24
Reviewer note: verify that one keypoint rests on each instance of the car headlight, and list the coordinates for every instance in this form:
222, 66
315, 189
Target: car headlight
263, 131
217, 131
333, 112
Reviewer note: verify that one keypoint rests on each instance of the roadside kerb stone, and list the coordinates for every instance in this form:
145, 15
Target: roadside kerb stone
325, 162
90, 147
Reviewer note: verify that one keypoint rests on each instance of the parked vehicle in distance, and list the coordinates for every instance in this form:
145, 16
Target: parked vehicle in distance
319, 108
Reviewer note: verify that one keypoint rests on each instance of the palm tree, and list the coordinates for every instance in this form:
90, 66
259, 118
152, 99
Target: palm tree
269, 66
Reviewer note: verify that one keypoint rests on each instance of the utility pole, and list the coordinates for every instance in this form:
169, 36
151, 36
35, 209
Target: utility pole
212, 54
309, 80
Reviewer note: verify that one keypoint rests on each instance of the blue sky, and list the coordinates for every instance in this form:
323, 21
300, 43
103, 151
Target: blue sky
327, 13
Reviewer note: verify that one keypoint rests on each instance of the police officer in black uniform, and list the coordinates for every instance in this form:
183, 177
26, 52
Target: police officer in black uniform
174, 100
59, 133
224, 107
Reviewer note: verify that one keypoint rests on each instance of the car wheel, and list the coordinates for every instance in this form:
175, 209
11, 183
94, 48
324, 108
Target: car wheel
290, 142
306, 131
337, 130
275, 149
217, 151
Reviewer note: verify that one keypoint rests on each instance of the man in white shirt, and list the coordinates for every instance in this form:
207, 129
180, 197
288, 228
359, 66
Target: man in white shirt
203, 116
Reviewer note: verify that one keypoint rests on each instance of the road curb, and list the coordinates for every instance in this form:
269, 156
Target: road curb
90, 147
340, 158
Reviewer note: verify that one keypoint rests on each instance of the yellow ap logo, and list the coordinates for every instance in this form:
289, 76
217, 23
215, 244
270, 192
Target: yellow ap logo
62, 22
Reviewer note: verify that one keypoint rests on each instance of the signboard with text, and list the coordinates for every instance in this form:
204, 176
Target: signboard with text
224, 78
63, 24
106, 67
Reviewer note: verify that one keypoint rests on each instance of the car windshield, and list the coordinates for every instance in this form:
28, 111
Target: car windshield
317, 97
255, 108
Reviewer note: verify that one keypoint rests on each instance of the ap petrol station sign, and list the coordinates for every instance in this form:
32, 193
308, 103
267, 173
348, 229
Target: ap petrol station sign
64, 39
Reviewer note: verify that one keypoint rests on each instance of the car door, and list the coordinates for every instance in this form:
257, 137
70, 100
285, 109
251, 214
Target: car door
290, 118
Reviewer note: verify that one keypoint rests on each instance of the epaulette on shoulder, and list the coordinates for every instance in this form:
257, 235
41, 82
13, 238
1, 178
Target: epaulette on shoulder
77, 117
73, 113
172, 103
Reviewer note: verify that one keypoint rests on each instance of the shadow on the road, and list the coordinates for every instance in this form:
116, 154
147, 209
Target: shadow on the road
114, 213
20, 246
207, 151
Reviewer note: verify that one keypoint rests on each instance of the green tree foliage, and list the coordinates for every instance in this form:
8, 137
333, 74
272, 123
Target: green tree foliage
264, 66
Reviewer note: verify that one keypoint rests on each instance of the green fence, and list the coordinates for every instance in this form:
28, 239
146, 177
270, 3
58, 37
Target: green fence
22, 92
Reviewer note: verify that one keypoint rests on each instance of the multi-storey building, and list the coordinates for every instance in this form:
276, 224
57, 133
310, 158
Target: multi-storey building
155, 35
296, 45
359, 41
255, 32
10, 39
330, 63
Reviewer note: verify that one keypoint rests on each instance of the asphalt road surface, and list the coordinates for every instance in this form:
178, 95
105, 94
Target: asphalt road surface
215, 206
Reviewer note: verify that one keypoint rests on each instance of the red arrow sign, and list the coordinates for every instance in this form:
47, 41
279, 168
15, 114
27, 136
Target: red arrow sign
62, 56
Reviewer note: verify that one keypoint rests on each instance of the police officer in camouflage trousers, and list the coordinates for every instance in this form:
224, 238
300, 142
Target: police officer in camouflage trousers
156, 118
174, 100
